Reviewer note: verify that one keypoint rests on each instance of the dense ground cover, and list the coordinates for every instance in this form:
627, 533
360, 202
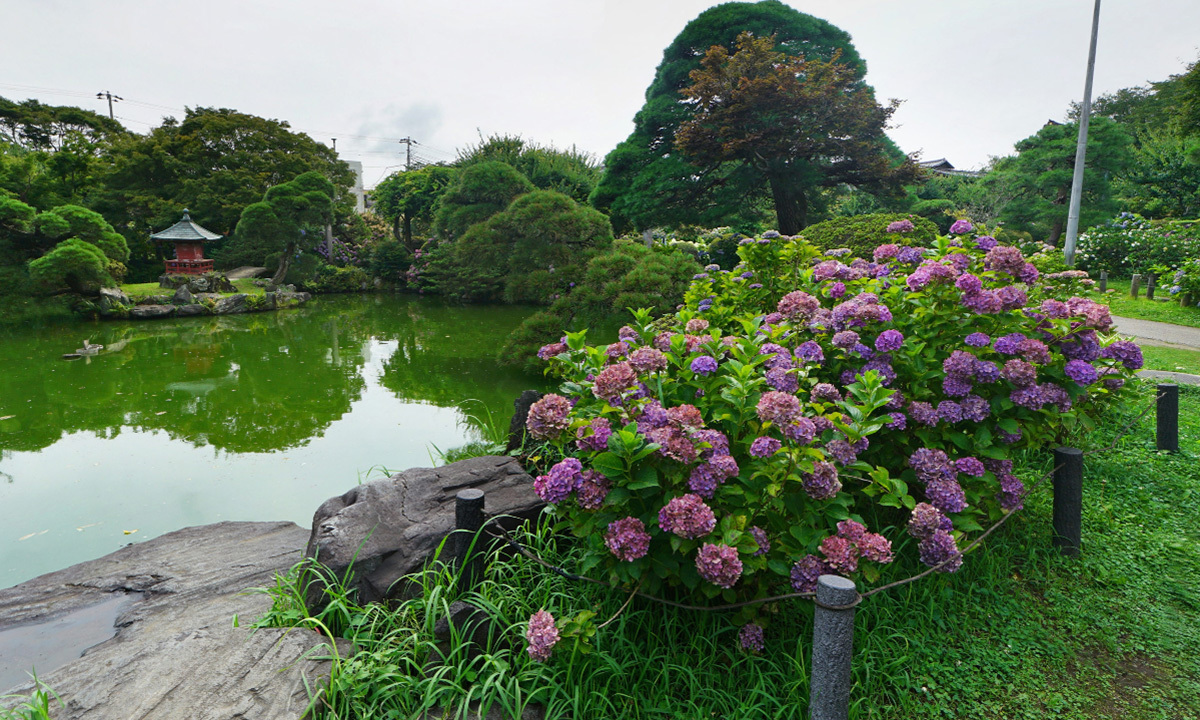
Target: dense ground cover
1019, 632
146, 289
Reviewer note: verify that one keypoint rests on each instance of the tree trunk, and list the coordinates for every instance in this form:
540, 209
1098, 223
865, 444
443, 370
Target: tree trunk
285, 263
407, 230
1056, 231
791, 205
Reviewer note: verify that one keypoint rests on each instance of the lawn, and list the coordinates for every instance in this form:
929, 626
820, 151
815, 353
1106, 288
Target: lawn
1019, 632
141, 290
1163, 308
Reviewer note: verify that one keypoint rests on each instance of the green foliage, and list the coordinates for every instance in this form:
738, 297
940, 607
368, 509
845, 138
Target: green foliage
1130, 244
863, 233
645, 185
570, 172
287, 220
717, 364
479, 192
74, 264
1037, 181
529, 253
627, 276
389, 260
78, 222
33, 126
214, 162
408, 199
331, 279
801, 122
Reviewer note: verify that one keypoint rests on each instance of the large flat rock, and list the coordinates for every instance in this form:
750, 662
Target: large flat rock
176, 652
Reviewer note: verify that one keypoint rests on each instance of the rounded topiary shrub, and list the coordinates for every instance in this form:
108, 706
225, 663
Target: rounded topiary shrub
863, 233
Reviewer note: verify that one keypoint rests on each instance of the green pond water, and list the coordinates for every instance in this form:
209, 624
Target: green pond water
248, 417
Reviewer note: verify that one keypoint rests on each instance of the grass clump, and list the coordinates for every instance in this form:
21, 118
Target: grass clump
36, 706
1019, 632
1163, 308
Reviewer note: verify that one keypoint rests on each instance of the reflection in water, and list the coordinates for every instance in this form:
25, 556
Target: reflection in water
257, 417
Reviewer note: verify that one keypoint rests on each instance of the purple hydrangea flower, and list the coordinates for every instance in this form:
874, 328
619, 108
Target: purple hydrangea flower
777, 407
616, 350
825, 392
1019, 373
719, 564
1009, 344
961, 227
593, 488
898, 421
804, 574
801, 430
627, 539
926, 520
1081, 372
931, 465
970, 466
975, 408
647, 359
845, 339
960, 364
542, 635
949, 411
841, 451
765, 447
783, 381
1127, 353
946, 495
940, 548
546, 352
910, 255
852, 530
900, 226
876, 548
822, 483
956, 386
760, 537
704, 365
1005, 258
840, 554
810, 351
708, 476
613, 381
594, 436
922, 413
985, 242
969, 284
549, 417
563, 478
798, 305
889, 341
987, 371
695, 326
977, 339
750, 637
687, 516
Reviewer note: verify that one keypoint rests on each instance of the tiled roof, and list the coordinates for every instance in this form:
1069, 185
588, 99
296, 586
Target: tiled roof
185, 229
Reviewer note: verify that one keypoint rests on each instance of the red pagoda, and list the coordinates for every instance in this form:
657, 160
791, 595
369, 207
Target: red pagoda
189, 239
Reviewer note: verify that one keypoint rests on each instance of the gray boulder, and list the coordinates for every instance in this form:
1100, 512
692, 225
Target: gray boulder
110, 297
231, 305
286, 298
176, 652
189, 310
389, 528
155, 300
147, 312
268, 301
183, 296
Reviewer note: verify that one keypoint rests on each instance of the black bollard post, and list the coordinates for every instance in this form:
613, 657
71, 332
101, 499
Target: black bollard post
1068, 500
468, 519
1151, 282
1103, 281
1167, 409
833, 645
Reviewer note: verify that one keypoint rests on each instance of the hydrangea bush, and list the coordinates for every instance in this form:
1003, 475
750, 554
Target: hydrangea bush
1131, 244
810, 413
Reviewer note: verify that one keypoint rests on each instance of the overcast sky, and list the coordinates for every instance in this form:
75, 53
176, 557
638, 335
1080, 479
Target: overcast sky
975, 75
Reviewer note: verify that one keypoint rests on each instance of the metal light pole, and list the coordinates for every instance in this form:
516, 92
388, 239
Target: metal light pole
1085, 113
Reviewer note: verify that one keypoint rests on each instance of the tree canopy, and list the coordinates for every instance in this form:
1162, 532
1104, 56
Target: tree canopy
33, 126
289, 219
799, 123
481, 190
408, 199
647, 182
570, 172
1038, 179
215, 163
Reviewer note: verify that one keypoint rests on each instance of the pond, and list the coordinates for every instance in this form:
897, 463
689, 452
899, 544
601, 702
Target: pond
244, 417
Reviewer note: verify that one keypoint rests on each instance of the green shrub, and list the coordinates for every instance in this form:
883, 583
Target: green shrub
863, 233
479, 192
73, 263
389, 260
1131, 244
333, 279
781, 419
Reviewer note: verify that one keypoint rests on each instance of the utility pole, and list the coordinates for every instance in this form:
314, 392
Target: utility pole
408, 142
335, 145
111, 97
1085, 112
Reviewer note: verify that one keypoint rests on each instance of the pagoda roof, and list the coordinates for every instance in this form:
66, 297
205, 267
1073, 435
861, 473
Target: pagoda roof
185, 229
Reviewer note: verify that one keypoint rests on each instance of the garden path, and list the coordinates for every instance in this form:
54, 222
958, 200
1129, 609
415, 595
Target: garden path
1159, 332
